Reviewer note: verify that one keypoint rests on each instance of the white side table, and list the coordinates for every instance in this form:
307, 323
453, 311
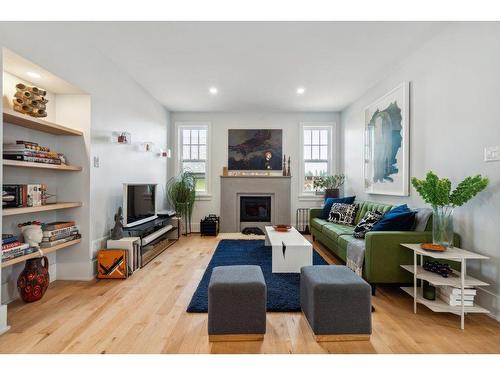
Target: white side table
457, 280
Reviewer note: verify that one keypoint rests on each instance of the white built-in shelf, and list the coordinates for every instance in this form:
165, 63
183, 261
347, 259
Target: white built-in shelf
452, 280
47, 207
43, 251
27, 164
34, 123
440, 306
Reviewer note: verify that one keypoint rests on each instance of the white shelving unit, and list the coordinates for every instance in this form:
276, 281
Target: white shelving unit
457, 280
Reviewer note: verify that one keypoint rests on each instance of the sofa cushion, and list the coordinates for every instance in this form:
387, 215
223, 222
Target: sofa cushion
365, 206
342, 213
330, 201
318, 223
334, 230
400, 218
366, 224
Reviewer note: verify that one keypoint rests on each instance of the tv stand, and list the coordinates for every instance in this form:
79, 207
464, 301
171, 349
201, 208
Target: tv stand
156, 236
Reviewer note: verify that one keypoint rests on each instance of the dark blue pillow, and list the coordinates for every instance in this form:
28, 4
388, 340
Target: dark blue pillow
329, 203
400, 218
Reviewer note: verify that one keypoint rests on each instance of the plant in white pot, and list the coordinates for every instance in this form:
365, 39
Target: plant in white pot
437, 192
330, 185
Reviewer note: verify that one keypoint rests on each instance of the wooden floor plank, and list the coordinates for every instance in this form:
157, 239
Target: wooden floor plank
147, 314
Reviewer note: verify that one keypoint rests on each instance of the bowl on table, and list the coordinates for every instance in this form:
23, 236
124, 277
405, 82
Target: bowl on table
282, 228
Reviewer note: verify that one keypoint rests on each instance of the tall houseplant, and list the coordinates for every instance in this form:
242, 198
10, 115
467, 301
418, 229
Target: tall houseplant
329, 184
181, 193
437, 192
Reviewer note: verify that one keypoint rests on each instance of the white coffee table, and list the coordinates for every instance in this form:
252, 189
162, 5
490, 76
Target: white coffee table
290, 250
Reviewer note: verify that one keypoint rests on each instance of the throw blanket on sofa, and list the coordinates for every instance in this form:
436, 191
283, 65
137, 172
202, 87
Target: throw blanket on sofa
356, 255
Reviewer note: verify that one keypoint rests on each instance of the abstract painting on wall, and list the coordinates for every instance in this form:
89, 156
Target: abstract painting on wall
386, 159
255, 149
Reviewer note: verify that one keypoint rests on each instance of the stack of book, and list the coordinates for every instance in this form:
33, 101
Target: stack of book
31, 195
59, 232
31, 152
12, 248
453, 296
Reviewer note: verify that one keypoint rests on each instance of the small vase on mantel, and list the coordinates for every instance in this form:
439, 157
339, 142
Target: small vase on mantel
442, 226
284, 165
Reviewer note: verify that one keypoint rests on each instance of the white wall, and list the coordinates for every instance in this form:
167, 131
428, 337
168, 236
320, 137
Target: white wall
454, 114
221, 122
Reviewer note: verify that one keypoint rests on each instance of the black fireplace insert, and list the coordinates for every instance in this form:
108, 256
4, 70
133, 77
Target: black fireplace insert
255, 209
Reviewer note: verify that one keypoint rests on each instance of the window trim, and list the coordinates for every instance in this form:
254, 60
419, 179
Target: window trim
179, 125
332, 161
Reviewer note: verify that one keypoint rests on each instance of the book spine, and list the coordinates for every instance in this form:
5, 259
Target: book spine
59, 236
11, 245
58, 242
60, 231
50, 227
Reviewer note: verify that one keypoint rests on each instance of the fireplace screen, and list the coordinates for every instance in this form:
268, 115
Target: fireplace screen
255, 209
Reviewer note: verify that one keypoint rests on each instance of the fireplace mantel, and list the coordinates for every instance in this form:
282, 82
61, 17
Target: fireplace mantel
234, 187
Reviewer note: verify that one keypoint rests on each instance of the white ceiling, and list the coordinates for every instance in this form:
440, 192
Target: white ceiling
257, 66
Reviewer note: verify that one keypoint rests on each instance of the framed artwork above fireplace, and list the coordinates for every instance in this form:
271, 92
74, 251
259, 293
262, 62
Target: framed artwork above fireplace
255, 149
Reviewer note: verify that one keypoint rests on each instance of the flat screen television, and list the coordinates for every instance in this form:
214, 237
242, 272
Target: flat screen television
139, 203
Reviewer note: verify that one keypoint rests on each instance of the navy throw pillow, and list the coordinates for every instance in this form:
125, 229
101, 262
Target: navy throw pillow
400, 218
330, 201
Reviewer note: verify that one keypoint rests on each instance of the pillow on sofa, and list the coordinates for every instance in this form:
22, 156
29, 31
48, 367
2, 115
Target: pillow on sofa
327, 207
366, 223
400, 218
342, 213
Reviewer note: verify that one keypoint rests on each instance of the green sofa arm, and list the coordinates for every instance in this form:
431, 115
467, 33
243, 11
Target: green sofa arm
315, 212
384, 255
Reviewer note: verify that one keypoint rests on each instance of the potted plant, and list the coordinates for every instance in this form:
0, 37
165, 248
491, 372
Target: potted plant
437, 192
181, 193
329, 184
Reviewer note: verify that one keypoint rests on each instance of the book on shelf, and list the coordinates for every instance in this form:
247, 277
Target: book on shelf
453, 299
12, 254
32, 159
56, 232
457, 291
57, 225
12, 245
59, 236
59, 242
31, 195
31, 152
8, 238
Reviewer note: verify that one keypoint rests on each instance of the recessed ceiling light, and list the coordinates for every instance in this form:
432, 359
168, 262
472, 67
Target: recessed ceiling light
34, 75
301, 90
213, 90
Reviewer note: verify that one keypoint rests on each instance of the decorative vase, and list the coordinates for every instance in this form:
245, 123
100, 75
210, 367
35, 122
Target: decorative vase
442, 226
34, 279
429, 291
32, 234
331, 193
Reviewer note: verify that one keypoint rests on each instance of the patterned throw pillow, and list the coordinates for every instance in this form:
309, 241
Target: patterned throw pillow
366, 224
342, 213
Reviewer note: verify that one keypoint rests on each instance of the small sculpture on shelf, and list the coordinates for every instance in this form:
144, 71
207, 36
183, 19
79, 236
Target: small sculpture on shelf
32, 232
288, 172
30, 100
117, 231
284, 166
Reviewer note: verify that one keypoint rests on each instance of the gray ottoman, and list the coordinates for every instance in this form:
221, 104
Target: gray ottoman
237, 304
336, 303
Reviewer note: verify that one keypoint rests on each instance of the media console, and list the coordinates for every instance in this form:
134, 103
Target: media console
156, 236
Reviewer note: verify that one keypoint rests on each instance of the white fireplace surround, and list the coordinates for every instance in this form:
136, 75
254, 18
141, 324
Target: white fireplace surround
235, 187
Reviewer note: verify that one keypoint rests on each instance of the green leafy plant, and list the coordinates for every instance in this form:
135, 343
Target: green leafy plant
437, 191
181, 193
328, 182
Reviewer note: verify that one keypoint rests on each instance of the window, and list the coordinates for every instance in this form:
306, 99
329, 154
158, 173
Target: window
316, 154
193, 153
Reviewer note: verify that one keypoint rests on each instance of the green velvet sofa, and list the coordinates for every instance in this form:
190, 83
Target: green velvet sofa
383, 255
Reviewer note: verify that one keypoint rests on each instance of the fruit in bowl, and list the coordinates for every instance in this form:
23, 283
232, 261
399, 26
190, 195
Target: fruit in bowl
282, 228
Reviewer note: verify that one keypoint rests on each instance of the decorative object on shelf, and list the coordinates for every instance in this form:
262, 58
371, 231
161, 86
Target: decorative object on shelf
147, 147
330, 185
284, 165
32, 232
255, 149
288, 171
121, 138
224, 171
437, 192
429, 291
33, 281
432, 247
163, 153
386, 158
112, 264
181, 194
442, 269
117, 231
30, 100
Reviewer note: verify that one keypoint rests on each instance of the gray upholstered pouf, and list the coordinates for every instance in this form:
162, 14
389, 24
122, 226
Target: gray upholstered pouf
336, 303
237, 303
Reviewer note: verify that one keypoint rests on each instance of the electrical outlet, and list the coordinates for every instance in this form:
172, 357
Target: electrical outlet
491, 153
96, 161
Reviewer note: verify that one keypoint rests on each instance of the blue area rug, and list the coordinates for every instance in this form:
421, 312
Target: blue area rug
282, 288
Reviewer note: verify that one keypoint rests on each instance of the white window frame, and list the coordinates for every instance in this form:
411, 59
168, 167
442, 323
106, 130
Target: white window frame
179, 126
331, 155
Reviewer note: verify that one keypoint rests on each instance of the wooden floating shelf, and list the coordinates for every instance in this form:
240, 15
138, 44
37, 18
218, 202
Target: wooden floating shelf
34, 123
440, 306
436, 279
47, 207
27, 164
37, 254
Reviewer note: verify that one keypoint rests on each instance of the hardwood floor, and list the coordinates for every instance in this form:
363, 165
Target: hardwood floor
146, 314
